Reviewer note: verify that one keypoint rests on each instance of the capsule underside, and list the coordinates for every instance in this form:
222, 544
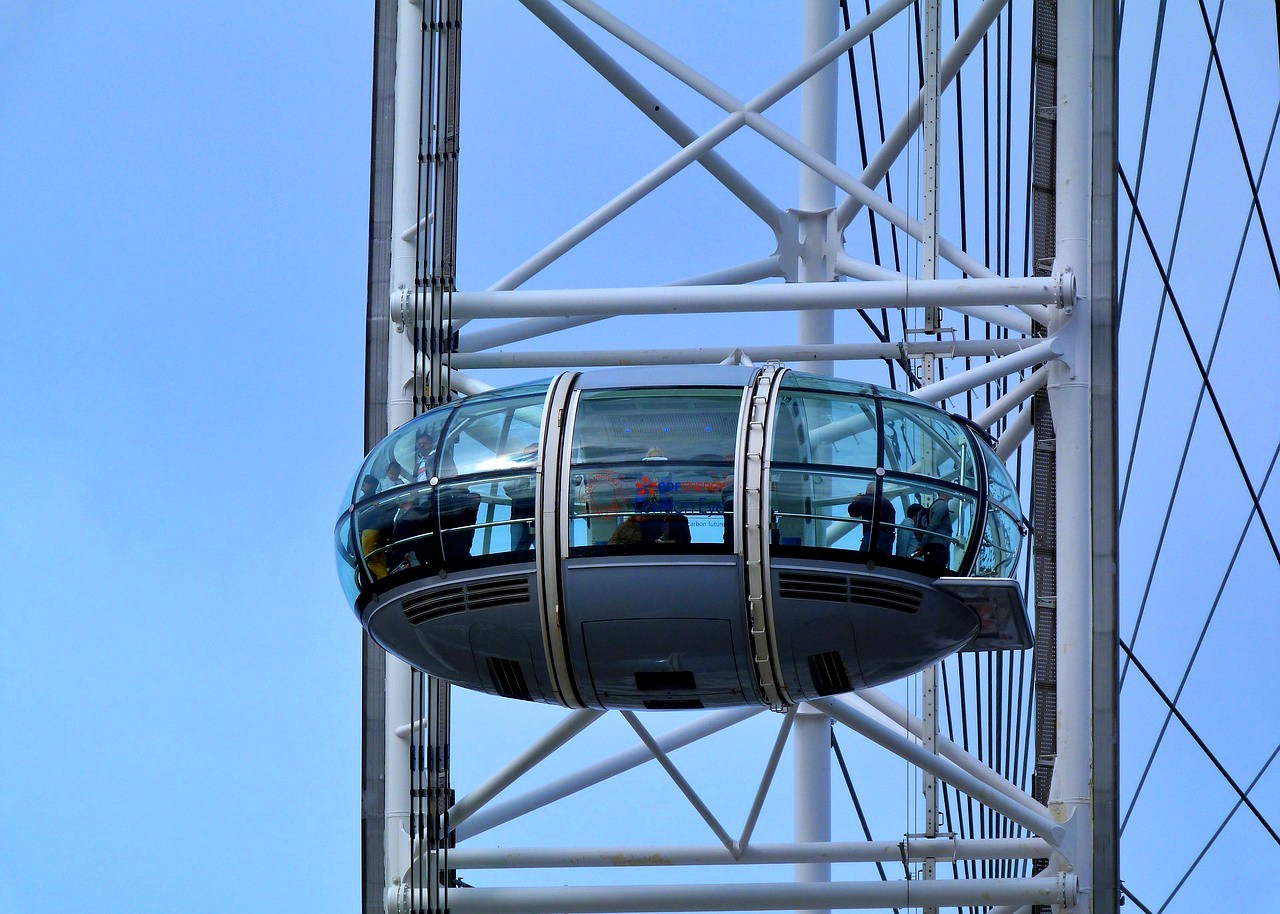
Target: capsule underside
732, 536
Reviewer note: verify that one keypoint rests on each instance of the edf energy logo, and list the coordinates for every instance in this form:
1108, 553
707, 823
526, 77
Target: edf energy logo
660, 495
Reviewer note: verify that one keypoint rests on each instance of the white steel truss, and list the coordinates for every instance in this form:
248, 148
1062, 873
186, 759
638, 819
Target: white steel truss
1047, 327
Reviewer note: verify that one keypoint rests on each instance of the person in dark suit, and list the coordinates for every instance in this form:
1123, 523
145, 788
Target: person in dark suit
869, 506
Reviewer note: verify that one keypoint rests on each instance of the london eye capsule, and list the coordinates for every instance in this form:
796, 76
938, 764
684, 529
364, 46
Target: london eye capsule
704, 537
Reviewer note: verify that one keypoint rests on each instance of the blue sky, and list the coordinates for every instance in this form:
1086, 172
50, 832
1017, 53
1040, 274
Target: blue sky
182, 285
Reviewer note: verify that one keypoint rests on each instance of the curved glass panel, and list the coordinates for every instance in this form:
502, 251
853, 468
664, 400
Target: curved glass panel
397, 531
933, 525
406, 456
828, 511
493, 435
828, 429
1001, 542
348, 561
652, 470
999, 484
487, 517
349, 494
927, 442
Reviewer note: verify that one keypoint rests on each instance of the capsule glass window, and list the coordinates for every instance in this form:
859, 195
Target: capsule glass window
812, 427
999, 484
812, 509
926, 442
406, 456
651, 470
1001, 543
933, 525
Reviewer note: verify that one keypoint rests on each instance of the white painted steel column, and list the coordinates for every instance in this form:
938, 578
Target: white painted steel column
812, 735
1069, 395
818, 120
404, 215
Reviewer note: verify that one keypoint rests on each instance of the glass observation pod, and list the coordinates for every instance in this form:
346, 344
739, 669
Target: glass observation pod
682, 538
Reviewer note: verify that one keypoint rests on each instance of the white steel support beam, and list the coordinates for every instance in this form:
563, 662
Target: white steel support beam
515, 331
1060, 890
496, 814
916, 849
818, 120
1016, 433
1069, 395
899, 716
1031, 292
694, 150
978, 375
654, 109
901, 134
404, 218
1019, 393
557, 736
909, 749
703, 355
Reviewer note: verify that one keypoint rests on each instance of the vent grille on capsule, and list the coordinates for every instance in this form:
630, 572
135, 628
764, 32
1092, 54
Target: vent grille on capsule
839, 588
461, 597
829, 674
508, 678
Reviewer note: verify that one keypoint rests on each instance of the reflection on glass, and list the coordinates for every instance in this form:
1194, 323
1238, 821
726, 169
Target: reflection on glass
1001, 542
493, 436
651, 504
934, 525
826, 429
825, 510
999, 484
651, 470
407, 456
348, 561
927, 443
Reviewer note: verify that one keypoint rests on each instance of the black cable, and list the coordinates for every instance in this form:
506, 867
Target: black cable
871, 220
1204, 629
1157, 44
888, 182
1244, 154
1199, 742
1008, 138
1127, 894
1214, 837
1195, 415
1173, 250
853, 795
1204, 374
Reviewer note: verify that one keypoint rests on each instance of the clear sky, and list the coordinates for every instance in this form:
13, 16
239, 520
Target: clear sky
183, 242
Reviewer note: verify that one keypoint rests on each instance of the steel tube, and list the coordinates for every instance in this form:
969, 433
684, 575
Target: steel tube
1016, 433
1019, 393
751, 896
680, 781
947, 748
902, 132
769, 297
1043, 351
907, 748
553, 739
499, 813
491, 858
811, 742
652, 107
613, 208
514, 331
704, 355
872, 200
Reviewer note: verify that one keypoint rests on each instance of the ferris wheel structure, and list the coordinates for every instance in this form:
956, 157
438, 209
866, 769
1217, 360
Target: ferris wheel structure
948, 230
